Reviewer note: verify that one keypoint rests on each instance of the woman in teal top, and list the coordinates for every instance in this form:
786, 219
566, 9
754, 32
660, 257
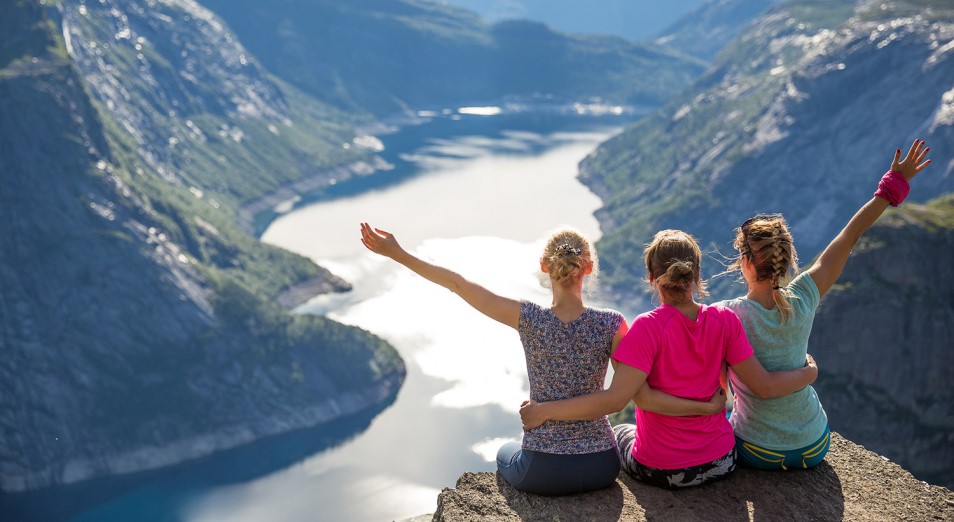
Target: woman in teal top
792, 431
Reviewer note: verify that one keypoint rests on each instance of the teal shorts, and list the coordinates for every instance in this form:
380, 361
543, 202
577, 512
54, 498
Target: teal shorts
757, 457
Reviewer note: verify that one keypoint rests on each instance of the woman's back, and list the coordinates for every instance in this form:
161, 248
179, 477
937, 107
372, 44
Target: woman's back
683, 357
795, 420
566, 360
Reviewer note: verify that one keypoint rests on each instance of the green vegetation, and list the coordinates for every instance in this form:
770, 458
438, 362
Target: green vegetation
135, 301
218, 171
27, 35
705, 30
626, 416
820, 14
934, 216
754, 131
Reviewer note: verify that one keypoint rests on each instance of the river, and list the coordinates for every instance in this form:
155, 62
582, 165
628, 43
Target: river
477, 191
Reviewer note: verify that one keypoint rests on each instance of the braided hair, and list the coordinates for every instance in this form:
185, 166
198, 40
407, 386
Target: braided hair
766, 242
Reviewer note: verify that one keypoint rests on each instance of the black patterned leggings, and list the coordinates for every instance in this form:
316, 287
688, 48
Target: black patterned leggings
669, 478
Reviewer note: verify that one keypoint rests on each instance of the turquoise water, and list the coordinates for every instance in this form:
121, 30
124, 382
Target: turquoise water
477, 193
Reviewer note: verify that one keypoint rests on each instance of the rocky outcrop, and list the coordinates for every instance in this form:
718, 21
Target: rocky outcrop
882, 339
852, 484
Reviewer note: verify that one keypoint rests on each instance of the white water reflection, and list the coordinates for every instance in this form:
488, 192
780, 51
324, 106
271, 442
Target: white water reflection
439, 332
481, 207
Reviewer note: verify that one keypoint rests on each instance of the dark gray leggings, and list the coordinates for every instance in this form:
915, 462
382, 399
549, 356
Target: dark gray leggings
553, 474
669, 478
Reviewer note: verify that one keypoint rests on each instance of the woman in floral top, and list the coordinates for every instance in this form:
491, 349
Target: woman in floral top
568, 347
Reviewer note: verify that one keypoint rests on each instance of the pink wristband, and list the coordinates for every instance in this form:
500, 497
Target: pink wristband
893, 187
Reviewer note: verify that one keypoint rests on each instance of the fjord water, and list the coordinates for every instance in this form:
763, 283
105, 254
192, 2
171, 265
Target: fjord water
477, 193
482, 205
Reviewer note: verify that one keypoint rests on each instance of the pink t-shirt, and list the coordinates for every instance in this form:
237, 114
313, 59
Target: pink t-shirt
684, 358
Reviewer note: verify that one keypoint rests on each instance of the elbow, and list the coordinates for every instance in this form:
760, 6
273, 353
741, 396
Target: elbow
771, 392
640, 403
456, 284
764, 391
641, 399
619, 406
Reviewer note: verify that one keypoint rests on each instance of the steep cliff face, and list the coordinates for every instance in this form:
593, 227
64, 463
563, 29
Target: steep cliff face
136, 322
882, 338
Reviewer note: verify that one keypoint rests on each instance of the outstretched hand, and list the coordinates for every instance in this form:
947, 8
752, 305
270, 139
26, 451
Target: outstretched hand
379, 241
913, 161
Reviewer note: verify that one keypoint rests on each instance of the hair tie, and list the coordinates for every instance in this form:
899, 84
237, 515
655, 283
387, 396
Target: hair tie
776, 287
566, 250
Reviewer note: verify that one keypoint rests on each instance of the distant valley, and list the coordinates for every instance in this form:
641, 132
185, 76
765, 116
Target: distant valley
144, 325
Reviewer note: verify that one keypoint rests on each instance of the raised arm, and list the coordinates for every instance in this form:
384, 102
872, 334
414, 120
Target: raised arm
767, 385
827, 268
626, 382
502, 309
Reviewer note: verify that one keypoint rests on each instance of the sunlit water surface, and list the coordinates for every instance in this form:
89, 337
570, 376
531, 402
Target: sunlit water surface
478, 194
483, 206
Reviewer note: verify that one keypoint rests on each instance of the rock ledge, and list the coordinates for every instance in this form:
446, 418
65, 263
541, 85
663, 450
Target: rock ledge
852, 484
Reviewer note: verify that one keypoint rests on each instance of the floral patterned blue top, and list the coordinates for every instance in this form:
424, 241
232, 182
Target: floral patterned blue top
565, 360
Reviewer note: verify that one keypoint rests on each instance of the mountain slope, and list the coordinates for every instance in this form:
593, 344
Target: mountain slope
388, 56
705, 30
799, 115
630, 20
138, 323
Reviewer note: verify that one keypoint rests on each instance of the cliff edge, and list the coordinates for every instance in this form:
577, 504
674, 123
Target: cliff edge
852, 484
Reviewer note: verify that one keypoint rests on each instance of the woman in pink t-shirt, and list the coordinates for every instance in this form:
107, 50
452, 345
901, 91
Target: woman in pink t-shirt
679, 348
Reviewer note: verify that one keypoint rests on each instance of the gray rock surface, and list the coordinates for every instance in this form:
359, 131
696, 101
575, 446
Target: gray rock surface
852, 484
882, 339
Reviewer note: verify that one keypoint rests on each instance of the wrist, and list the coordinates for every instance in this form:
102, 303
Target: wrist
893, 188
545, 411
